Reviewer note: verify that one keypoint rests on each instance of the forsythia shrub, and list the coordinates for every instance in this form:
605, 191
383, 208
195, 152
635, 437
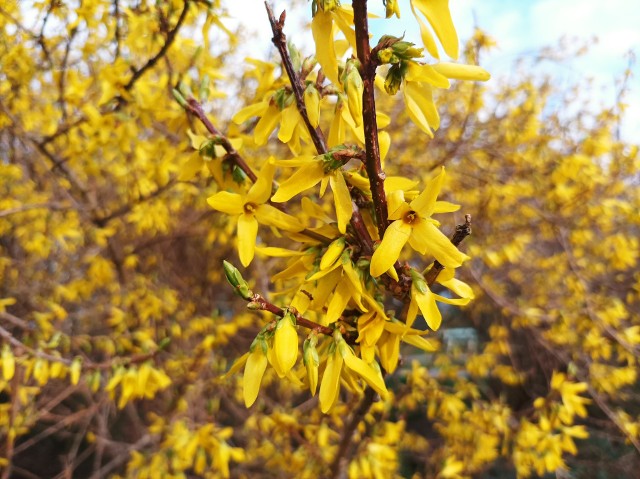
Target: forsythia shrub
134, 204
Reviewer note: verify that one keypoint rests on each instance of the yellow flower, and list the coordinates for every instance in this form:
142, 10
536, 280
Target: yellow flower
311, 361
311, 171
252, 209
439, 17
8, 363
424, 299
413, 223
254, 370
341, 355
322, 28
285, 343
392, 8
419, 81
278, 109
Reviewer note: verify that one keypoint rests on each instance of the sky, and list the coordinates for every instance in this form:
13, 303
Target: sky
520, 27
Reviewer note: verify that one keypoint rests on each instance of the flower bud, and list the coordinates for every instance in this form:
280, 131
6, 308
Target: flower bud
333, 252
236, 280
394, 79
418, 281
75, 369
179, 98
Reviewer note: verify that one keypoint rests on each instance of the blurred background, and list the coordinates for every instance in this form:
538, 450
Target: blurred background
117, 323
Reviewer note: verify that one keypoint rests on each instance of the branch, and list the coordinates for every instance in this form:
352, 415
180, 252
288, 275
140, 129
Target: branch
171, 36
258, 302
462, 231
372, 147
346, 446
123, 210
280, 41
86, 365
195, 107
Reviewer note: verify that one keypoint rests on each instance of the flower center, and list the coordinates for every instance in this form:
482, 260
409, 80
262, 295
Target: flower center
411, 217
249, 208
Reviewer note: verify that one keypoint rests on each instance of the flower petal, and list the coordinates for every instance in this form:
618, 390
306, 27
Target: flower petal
266, 125
425, 34
428, 74
290, 118
271, 216
306, 177
253, 372
342, 200
363, 370
439, 17
439, 245
426, 201
457, 71
257, 109
445, 207
229, 203
330, 381
388, 252
322, 30
420, 107
427, 304
260, 191
247, 234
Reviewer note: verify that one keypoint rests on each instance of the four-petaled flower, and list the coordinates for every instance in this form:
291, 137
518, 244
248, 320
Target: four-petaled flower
413, 223
252, 208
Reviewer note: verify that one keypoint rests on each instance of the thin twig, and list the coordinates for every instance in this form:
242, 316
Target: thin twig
347, 446
171, 36
195, 107
280, 41
86, 365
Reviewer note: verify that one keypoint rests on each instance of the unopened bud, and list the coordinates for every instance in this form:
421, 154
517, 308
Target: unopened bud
394, 79
236, 280
179, 98
418, 281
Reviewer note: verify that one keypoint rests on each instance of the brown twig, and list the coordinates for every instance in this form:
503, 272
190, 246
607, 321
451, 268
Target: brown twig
259, 302
195, 108
347, 446
123, 210
171, 36
372, 146
280, 41
462, 231
86, 365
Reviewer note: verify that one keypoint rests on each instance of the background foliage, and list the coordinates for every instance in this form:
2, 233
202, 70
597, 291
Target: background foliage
117, 323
